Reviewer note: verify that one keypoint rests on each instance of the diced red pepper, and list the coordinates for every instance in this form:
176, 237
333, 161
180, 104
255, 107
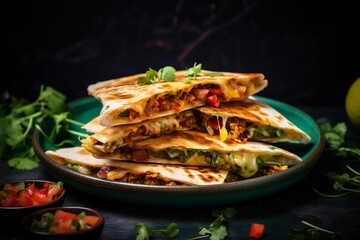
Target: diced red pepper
63, 216
212, 100
91, 220
257, 230
64, 227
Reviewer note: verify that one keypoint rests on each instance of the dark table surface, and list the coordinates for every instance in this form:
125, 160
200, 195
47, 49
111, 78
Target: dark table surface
280, 212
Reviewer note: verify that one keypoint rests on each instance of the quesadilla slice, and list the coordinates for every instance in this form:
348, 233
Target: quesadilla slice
249, 119
127, 102
197, 148
108, 138
79, 159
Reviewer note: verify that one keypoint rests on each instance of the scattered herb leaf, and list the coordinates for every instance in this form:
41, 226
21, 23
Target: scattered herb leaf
217, 230
317, 233
143, 232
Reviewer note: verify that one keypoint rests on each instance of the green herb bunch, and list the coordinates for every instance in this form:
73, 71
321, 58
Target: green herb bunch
19, 118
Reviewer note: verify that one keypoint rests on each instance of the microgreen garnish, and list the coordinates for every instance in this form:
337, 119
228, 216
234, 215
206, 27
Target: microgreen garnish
217, 230
143, 232
18, 118
194, 71
166, 74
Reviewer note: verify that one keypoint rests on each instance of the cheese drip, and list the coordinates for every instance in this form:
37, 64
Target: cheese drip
222, 131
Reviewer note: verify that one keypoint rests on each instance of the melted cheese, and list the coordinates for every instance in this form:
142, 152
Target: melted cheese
242, 163
222, 131
247, 163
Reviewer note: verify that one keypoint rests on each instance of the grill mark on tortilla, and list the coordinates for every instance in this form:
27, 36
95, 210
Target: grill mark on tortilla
119, 95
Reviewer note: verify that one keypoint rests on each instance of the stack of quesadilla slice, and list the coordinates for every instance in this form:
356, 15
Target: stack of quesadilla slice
208, 130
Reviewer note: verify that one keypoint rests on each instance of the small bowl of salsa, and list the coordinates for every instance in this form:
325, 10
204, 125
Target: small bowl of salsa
20, 198
63, 223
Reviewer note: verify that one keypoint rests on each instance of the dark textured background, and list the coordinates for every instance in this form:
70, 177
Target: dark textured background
308, 50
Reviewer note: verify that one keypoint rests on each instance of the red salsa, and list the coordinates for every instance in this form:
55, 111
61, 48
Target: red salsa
28, 194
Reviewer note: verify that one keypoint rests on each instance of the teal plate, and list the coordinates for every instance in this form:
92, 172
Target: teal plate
88, 108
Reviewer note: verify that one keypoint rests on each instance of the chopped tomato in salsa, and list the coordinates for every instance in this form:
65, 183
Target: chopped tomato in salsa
64, 222
21, 195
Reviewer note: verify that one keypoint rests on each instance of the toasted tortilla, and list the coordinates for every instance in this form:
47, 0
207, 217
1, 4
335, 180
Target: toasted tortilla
249, 119
187, 175
126, 102
197, 148
108, 138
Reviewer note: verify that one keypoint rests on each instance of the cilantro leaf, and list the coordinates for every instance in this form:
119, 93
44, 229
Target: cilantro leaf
217, 230
335, 136
143, 232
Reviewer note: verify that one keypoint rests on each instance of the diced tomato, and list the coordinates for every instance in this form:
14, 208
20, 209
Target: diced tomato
53, 190
257, 230
11, 188
64, 227
47, 185
91, 220
10, 200
30, 189
61, 216
212, 100
216, 91
25, 199
40, 198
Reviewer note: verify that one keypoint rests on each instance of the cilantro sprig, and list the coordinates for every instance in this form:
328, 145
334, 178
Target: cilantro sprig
166, 74
345, 182
143, 232
315, 232
336, 141
19, 118
217, 230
